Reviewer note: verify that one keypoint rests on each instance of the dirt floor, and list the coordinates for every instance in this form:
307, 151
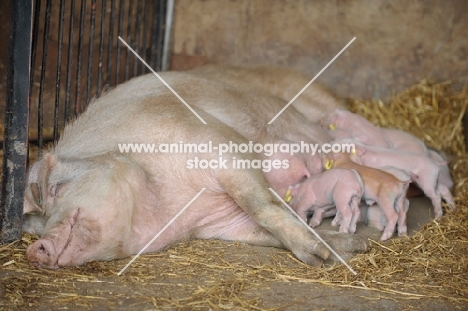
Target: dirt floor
209, 275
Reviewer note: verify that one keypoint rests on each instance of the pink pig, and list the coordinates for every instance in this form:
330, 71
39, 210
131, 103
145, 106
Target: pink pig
295, 172
423, 170
445, 182
407, 142
373, 216
318, 195
379, 187
402, 140
403, 176
90, 200
343, 121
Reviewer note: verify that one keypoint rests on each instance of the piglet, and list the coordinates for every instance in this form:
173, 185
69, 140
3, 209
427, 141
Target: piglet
445, 182
373, 216
317, 197
402, 140
405, 177
343, 122
424, 171
408, 143
379, 187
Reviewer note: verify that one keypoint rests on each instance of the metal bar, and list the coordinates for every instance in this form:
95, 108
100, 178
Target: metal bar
129, 40
40, 108
90, 51
144, 41
101, 47
110, 44
80, 53
161, 25
136, 64
166, 56
59, 69
35, 35
119, 34
154, 37
15, 143
69, 62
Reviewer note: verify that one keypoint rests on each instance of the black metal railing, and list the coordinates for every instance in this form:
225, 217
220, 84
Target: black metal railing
60, 58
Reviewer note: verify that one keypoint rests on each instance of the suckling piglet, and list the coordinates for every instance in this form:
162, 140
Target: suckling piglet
316, 198
379, 187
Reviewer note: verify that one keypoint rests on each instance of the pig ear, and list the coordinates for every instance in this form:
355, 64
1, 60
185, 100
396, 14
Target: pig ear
36, 193
33, 193
37, 188
32, 199
359, 150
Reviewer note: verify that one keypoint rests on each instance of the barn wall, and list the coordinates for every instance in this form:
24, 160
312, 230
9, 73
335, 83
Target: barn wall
397, 42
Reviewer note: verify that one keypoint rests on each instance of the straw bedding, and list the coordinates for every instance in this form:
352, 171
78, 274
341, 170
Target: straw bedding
221, 275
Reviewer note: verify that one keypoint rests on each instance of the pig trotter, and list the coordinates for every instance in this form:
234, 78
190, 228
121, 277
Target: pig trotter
344, 244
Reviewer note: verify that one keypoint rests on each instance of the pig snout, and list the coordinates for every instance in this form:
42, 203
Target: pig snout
42, 254
45, 252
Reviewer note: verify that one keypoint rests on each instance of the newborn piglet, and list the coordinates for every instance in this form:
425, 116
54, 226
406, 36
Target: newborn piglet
379, 187
316, 198
343, 123
423, 170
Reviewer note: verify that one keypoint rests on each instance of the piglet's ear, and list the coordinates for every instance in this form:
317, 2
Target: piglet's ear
359, 150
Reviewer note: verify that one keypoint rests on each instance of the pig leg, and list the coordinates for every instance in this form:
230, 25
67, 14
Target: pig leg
346, 216
387, 206
253, 196
446, 195
354, 205
428, 185
319, 214
348, 212
337, 220
317, 217
402, 206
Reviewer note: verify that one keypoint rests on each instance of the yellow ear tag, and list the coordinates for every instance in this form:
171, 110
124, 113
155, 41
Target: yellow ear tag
353, 151
329, 164
332, 126
288, 196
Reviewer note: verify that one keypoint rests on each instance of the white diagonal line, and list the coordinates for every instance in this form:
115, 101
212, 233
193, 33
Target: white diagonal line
160, 232
164, 82
313, 231
316, 76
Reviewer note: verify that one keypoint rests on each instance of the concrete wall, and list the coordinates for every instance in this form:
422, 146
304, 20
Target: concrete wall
397, 42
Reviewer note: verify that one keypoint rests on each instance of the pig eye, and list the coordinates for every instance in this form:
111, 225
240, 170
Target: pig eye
53, 190
36, 193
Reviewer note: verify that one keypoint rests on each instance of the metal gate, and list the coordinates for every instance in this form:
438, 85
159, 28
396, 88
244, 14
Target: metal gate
61, 56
